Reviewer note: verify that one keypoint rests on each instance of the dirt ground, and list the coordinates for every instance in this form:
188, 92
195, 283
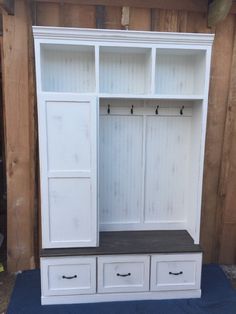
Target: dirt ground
7, 283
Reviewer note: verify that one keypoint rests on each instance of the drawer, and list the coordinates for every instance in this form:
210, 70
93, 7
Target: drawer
68, 275
123, 273
176, 271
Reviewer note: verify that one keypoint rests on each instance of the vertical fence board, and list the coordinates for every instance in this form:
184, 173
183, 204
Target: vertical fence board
112, 17
48, 14
218, 97
19, 119
79, 16
140, 19
226, 214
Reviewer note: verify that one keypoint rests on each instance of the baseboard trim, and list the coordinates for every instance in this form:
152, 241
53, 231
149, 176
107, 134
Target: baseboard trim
102, 297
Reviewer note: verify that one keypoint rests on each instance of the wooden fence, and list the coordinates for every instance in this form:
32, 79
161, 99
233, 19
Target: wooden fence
218, 224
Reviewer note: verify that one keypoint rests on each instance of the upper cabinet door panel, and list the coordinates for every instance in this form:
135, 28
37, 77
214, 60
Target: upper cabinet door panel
68, 162
69, 135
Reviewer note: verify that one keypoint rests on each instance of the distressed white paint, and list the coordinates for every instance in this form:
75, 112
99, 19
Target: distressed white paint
167, 168
125, 70
68, 68
65, 150
151, 167
68, 275
112, 297
175, 271
68, 166
120, 169
134, 271
144, 164
180, 71
111, 287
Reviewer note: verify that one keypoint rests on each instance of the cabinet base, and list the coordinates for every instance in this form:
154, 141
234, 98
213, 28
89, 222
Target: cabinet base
161, 295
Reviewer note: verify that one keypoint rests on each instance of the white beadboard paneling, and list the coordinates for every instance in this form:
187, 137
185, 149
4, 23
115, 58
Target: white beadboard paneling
70, 213
195, 182
120, 168
180, 72
68, 68
161, 160
167, 168
65, 150
125, 70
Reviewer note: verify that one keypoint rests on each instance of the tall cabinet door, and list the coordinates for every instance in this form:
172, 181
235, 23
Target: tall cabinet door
68, 169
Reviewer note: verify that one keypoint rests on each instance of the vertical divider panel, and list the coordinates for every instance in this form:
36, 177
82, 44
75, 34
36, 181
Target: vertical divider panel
97, 52
143, 168
153, 70
38, 65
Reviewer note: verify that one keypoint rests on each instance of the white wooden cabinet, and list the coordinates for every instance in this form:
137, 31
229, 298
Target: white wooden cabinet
122, 123
68, 164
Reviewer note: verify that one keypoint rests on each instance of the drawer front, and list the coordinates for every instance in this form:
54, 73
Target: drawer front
68, 275
176, 271
123, 273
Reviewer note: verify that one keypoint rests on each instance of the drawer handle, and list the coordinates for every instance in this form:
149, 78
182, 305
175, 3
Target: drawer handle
123, 275
69, 277
175, 274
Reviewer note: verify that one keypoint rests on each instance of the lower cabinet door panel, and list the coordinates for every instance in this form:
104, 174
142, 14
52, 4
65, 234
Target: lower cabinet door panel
128, 273
176, 271
68, 275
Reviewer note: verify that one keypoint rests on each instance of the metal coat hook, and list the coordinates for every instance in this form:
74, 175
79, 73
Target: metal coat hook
156, 111
132, 109
108, 109
181, 110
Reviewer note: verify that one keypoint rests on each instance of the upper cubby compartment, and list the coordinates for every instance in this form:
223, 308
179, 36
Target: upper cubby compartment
125, 70
68, 68
180, 72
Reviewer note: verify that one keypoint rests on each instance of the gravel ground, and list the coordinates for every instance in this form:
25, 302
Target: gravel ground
6, 285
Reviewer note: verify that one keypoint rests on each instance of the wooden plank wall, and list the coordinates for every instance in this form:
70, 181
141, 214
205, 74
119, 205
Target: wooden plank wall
19, 122
218, 228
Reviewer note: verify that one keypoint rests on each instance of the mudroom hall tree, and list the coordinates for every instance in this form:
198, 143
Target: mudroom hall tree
122, 124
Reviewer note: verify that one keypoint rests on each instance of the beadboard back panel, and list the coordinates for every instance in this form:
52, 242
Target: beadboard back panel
147, 164
68, 68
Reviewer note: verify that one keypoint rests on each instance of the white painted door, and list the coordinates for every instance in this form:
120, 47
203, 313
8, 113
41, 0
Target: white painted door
68, 169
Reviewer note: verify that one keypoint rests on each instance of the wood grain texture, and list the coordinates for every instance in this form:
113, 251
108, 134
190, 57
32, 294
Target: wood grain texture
226, 214
48, 14
140, 19
218, 98
79, 16
8, 6
134, 242
227, 252
18, 115
113, 17
188, 5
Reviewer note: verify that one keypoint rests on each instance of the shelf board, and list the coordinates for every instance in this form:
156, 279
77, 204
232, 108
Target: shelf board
152, 96
134, 242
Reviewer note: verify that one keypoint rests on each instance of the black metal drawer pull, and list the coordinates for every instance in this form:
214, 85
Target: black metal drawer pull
69, 277
123, 275
175, 274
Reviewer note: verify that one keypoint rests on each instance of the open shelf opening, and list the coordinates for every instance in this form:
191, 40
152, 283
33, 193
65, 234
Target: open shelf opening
68, 68
180, 72
149, 159
125, 70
